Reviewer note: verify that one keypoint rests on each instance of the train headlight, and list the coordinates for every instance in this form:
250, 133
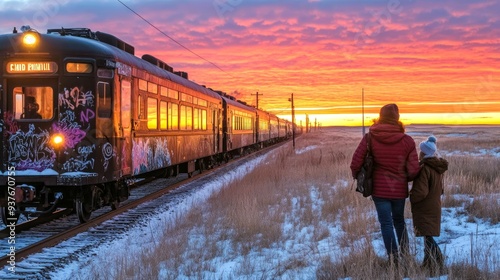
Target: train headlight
57, 140
30, 38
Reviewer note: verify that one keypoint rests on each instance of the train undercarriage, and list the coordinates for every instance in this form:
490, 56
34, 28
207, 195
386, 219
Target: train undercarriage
35, 199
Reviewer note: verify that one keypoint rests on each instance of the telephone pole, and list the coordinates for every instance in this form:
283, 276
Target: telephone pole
293, 121
257, 99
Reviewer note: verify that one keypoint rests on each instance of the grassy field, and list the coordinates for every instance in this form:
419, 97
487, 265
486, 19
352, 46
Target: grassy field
297, 215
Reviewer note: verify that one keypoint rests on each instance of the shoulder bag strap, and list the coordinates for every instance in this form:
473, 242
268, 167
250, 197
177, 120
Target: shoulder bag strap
368, 142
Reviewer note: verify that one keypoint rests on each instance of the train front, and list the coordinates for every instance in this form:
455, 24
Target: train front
47, 113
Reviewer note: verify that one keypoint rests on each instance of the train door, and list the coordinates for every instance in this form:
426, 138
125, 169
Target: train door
215, 130
125, 127
106, 132
28, 111
229, 121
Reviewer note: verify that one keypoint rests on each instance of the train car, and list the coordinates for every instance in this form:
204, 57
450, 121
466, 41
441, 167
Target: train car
273, 128
239, 133
81, 115
283, 129
263, 128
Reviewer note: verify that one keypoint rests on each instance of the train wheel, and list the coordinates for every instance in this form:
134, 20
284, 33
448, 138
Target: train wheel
6, 219
115, 204
83, 211
169, 172
201, 165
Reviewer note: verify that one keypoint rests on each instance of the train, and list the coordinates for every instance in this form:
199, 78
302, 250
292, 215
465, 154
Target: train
83, 117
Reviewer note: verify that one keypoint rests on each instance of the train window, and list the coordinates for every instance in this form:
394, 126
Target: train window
104, 101
172, 93
173, 116
164, 91
200, 119
152, 113
126, 94
186, 97
105, 73
163, 115
33, 103
186, 118
204, 119
139, 106
79, 67
152, 87
202, 102
196, 119
143, 85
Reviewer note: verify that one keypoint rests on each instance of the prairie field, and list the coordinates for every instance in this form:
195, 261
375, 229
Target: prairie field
296, 215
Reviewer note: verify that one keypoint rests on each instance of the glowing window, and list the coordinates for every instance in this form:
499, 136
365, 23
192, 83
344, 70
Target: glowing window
152, 113
143, 85
173, 116
104, 101
173, 94
163, 91
196, 118
186, 118
79, 67
33, 103
152, 87
163, 115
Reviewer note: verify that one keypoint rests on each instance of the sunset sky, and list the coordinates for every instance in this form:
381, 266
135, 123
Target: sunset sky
438, 60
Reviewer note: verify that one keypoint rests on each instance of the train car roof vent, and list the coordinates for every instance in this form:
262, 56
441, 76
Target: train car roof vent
220, 92
114, 41
182, 74
155, 61
78, 32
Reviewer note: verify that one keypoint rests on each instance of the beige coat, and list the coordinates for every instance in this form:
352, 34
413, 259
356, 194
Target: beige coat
425, 197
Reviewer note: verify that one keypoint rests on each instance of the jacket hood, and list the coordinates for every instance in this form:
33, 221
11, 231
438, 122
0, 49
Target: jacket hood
438, 164
387, 133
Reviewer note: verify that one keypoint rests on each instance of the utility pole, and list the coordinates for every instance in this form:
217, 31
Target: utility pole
257, 121
257, 99
293, 121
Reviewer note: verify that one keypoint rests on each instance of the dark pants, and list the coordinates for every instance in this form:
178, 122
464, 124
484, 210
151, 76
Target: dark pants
433, 258
391, 216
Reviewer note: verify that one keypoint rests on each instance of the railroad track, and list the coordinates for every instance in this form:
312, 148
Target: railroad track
43, 249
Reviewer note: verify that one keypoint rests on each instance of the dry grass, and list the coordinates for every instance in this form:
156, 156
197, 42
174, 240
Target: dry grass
304, 197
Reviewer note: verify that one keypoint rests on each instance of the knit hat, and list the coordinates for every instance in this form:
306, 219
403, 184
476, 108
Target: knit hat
389, 112
429, 147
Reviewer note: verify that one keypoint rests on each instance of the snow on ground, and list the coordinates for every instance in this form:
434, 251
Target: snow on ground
462, 239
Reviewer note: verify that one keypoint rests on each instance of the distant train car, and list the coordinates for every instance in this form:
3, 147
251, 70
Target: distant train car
238, 126
263, 128
283, 129
81, 115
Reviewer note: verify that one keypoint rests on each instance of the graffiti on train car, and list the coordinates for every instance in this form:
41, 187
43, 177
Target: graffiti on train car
149, 154
31, 150
76, 109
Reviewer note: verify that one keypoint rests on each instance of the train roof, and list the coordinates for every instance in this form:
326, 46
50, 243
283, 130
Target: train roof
238, 104
80, 46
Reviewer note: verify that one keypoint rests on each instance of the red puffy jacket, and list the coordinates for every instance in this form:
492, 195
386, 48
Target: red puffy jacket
396, 160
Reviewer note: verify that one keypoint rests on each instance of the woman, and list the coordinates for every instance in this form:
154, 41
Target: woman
425, 198
396, 163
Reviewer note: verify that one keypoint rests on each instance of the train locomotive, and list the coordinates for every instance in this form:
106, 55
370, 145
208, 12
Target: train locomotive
82, 117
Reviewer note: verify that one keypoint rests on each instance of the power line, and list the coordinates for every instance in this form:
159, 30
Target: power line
166, 35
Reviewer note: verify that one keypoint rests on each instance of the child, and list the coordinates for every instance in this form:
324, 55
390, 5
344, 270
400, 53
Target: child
425, 198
